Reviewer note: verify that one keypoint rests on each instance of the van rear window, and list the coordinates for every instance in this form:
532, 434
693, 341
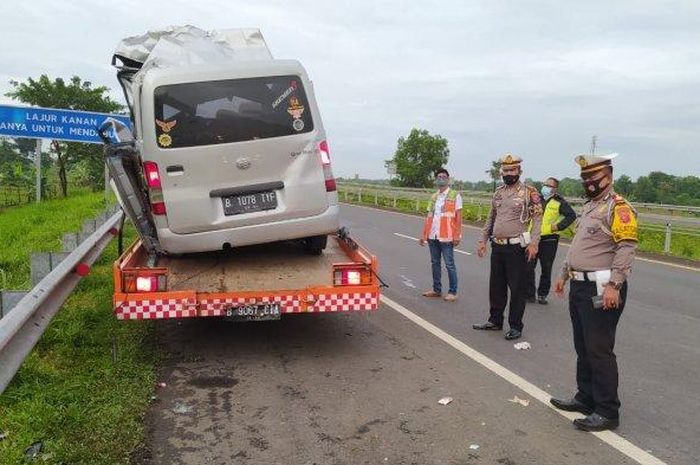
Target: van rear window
236, 110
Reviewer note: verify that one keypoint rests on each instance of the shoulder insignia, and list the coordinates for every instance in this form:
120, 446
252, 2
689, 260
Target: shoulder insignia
624, 222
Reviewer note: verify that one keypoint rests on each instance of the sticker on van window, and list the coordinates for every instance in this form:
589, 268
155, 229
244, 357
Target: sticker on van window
284, 95
295, 108
164, 140
298, 125
166, 126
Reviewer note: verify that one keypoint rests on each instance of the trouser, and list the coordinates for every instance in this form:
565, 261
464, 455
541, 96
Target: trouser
594, 340
446, 250
508, 271
546, 254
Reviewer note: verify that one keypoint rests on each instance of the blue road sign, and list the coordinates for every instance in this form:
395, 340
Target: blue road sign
51, 123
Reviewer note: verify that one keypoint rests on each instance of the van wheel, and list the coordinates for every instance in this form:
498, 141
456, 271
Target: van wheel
314, 245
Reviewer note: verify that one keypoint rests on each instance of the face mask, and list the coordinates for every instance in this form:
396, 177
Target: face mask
511, 179
441, 182
593, 188
546, 192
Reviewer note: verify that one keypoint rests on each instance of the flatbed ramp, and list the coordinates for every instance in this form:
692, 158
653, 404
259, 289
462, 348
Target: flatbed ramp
280, 277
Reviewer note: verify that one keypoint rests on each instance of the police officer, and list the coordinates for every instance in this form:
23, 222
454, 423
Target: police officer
598, 264
513, 206
557, 216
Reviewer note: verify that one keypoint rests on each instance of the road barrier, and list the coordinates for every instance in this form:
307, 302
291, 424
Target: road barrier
55, 275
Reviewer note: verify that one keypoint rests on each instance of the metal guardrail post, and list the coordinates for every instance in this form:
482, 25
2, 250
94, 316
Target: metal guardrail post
394, 199
359, 195
376, 198
667, 241
417, 204
478, 215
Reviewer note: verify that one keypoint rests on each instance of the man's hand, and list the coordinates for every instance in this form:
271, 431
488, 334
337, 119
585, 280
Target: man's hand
611, 298
554, 227
456, 242
481, 248
421, 242
559, 287
532, 251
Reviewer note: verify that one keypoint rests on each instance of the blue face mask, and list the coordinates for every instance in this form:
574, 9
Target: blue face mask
546, 192
441, 182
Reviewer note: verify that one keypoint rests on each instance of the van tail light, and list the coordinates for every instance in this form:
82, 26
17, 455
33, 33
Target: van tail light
152, 175
155, 188
351, 276
326, 162
145, 281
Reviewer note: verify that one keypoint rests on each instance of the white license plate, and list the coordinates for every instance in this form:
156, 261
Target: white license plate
255, 312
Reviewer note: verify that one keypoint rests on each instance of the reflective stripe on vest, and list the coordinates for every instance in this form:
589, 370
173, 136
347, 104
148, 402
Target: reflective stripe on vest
448, 217
551, 216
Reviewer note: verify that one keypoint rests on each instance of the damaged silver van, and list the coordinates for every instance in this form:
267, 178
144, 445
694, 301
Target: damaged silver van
230, 141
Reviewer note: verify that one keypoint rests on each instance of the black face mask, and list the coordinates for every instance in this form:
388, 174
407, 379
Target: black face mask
511, 179
593, 189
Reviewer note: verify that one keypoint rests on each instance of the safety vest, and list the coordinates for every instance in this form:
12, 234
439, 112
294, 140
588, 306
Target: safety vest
450, 229
550, 216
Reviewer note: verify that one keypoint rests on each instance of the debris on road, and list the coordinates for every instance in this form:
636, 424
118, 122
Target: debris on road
33, 451
162, 385
181, 408
474, 446
445, 400
522, 346
518, 400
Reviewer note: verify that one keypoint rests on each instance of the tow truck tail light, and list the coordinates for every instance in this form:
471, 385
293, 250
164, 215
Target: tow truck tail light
151, 281
351, 276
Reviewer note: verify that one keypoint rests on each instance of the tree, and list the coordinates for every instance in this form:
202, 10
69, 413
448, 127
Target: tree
418, 156
495, 172
624, 185
75, 95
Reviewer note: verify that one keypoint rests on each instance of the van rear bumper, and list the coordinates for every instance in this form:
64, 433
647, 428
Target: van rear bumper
326, 223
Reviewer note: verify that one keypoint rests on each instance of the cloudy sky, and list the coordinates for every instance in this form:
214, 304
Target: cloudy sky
537, 78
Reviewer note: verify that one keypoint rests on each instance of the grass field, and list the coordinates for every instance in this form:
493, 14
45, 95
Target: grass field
684, 243
39, 228
84, 389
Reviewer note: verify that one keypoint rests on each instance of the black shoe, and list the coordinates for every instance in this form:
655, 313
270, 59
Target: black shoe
531, 300
542, 300
596, 422
488, 326
513, 334
571, 405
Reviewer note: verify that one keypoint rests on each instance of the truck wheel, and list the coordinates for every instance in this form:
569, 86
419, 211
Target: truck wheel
314, 245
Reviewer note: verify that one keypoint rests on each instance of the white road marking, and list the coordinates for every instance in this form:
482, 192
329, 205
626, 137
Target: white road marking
416, 239
614, 440
641, 259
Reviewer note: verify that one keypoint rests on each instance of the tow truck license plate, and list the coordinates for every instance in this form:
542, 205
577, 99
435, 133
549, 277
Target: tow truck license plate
255, 312
247, 203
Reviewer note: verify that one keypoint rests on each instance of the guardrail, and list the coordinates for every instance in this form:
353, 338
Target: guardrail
487, 195
22, 327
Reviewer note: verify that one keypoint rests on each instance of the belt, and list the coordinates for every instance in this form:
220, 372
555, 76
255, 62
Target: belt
506, 241
582, 275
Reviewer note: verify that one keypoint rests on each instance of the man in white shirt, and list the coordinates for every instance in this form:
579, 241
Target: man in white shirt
442, 232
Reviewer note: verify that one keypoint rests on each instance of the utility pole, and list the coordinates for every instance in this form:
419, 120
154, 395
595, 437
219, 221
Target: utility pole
594, 140
37, 164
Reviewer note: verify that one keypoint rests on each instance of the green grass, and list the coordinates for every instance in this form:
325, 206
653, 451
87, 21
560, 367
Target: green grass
75, 393
39, 228
685, 243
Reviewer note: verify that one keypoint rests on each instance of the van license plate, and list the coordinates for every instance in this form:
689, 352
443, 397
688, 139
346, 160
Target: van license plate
255, 312
248, 203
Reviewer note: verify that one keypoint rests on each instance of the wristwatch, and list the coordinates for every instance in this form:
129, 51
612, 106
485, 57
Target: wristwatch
614, 285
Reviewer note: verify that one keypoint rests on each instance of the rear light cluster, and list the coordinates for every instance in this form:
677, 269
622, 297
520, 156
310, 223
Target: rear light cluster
351, 276
326, 162
151, 281
155, 189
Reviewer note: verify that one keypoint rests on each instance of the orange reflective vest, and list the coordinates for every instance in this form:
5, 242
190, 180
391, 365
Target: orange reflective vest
450, 228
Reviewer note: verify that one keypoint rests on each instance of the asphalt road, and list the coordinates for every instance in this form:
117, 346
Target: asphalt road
364, 387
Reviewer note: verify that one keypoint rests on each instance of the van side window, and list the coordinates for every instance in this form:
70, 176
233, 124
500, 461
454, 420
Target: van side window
236, 110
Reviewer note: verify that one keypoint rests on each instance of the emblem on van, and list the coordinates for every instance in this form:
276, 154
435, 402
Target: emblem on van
243, 163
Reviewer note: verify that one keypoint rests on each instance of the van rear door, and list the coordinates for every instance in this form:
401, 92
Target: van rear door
238, 152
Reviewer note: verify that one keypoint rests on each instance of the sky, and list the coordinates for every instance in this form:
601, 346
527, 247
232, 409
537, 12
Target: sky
536, 78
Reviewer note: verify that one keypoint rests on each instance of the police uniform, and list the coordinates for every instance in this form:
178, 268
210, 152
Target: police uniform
513, 207
601, 254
